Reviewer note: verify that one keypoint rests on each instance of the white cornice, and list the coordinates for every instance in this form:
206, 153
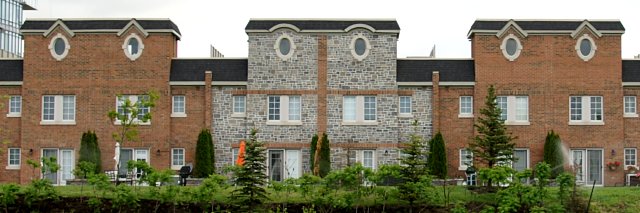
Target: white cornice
56, 24
585, 24
435, 59
10, 83
424, 83
228, 83
510, 24
457, 83
131, 23
284, 25
186, 83
322, 19
630, 84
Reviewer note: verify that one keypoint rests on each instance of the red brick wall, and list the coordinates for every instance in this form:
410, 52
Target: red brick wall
185, 130
9, 133
95, 70
457, 132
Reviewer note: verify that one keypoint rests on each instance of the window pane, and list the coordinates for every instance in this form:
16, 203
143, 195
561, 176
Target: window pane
133, 46
502, 104
14, 157
466, 157
511, 46
466, 105
294, 108
142, 110
367, 159
630, 104
285, 46
585, 47
370, 108
360, 46
48, 108
575, 108
59, 46
596, 108
178, 104
405, 104
238, 104
522, 108
349, 108
15, 104
178, 157
69, 108
629, 157
520, 164
274, 108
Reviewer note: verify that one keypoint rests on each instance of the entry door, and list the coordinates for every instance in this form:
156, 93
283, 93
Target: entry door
293, 164
125, 156
66, 162
594, 166
579, 166
47, 153
141, 155
276, 165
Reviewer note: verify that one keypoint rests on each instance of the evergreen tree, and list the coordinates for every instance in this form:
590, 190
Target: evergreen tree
325, 156
553, 153
204, 165
251, 177
437, 157
414, 166
90, 151
493, 144
312, 152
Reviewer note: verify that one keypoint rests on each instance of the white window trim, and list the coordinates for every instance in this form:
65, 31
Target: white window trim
503, 47
625, 158
13, 166
461, 165
624, 110
14, 114
464, 115
512, 112
360, 157
233, 104
528, 156
133, 99
126, 49
360, 112
593, 47
58, 111
353, 47
184, 158
586, 112
52, 49
284, 112
184, 106
292, 47
404, 115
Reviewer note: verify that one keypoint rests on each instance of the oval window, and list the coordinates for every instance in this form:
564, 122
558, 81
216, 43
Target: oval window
360, 46
133, 46
512, 46
59, 46
285, 46
585, 47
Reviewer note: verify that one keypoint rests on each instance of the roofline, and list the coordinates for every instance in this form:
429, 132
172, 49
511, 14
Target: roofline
216, 58
10, 83
539, 32
415, 83
324, 31
97, 19
457, 83
322, 19
630, 84
631, 59
11, 59
435, 59
108, 31
576, 20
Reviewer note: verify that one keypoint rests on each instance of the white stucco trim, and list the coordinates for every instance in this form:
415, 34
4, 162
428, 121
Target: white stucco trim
415, 83
515, 26
503, 47
624, 84
457, 83
228, 83
133, 22
367, 49
363, 26
284, 25
52, 49
140, 46
292, 47
594, 47
53, 27
10, 83
585, 24
186, 83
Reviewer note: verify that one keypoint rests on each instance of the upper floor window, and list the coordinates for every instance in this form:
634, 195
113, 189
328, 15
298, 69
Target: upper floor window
179, 106
359, 110
466, 106
15, 106
585, 110
133, 46
630, 157
284, 110
239, 104
511, 47
466, 159
586, 47
514, 109
405, 105
58, 109
630, 106
136, 102
360, 47
59, 47
284, 47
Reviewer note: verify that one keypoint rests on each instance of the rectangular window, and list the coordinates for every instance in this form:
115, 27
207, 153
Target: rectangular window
178, 105
368, 160
522, 108
48, 107
359, 110
285, 110
177, 158
405, 105
142, 110
466, 159
521, 162
15, 106
69, 108
579, 106
466, 106
502, 104
514, 109
234, 154
58, 109
630, 157
630, 106
14, 158
133, 100
239, 104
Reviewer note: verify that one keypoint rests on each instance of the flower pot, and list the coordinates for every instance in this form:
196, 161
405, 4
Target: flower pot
613, 168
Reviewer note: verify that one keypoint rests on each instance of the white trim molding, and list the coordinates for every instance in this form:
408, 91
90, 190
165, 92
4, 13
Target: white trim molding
505, 52
125, 46
363, 26
515, 26
594, 47
429, 83
367, 49
186, 83
52, 47
585, 24
133, 22
292, 47
53, 27
457, 83
284, 25
10, 83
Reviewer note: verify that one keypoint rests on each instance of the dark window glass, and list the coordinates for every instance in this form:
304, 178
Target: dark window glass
361, 46
285, 46
512, 46
585, 47
59, 46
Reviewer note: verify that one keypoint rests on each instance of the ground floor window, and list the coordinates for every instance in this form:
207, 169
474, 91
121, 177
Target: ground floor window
588, 165
283, 164
127, 154
66, 159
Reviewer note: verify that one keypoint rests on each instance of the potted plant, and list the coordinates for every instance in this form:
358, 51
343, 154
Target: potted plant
631, 169
613, 165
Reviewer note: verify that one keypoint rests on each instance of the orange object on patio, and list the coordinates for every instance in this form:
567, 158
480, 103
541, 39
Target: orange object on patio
241, 150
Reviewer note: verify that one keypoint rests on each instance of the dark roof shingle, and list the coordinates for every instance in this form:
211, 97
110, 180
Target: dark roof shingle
412, 70
322, 24
222, 69
547, 25
11, 70
630, 70
89, 24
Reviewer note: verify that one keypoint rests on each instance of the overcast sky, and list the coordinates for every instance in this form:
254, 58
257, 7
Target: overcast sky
443, 23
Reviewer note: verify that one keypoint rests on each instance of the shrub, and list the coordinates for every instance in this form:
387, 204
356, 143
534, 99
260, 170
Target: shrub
204, 155
90, 151
437, 162
251, 177
325, 155
553, 153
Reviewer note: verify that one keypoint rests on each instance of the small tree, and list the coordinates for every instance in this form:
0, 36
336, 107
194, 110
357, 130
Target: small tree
325, 156
553, 153
90, 151
493, 144
414, 166
251, 177
312, 152
437, 157
204, 155
129, 115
